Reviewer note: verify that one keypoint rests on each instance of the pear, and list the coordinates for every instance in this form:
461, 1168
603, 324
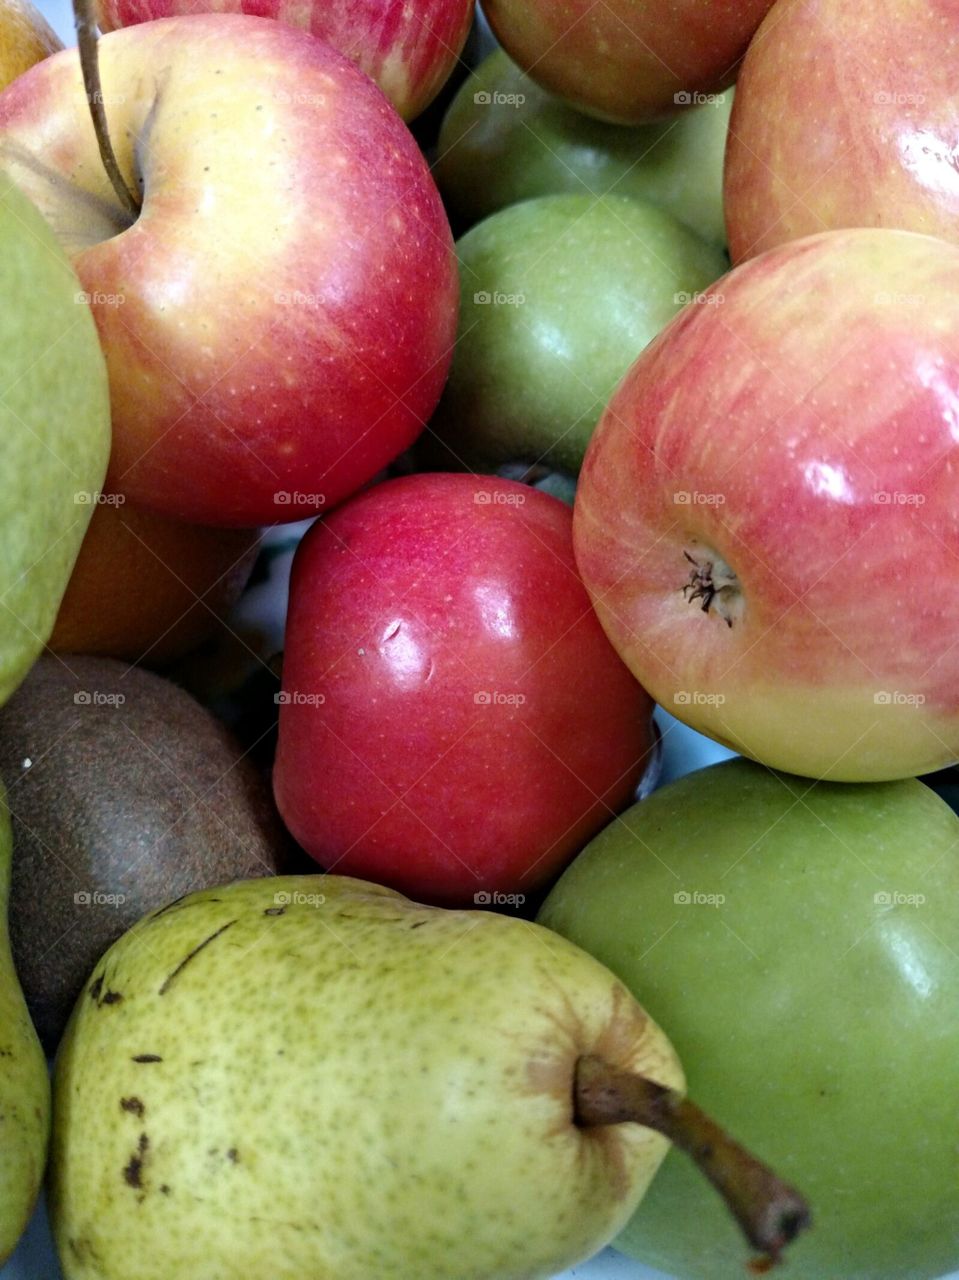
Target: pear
315, 1077
24, 1084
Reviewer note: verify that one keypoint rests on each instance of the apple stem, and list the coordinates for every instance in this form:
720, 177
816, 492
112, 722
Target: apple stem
770, 1212
90, 66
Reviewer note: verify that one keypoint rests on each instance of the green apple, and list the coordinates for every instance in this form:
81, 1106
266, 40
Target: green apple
55, 428
801, 942
558, 296
505, 139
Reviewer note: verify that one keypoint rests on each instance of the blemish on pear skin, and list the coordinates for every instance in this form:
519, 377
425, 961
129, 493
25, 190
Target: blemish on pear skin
133, 1173
193, 954
233, 1155
147, 1057
133, 1105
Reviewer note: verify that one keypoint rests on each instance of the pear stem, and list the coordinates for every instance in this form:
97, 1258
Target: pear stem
770, 1212
90, 66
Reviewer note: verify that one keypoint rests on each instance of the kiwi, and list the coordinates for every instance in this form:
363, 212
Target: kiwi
125, 794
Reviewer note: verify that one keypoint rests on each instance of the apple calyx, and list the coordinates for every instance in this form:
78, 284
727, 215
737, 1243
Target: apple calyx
713, 582
770, 1212
90, 66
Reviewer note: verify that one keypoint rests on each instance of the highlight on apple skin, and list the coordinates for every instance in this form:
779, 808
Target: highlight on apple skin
628, 61
767, 519
453, 720
278, 320
875, 85
408, 47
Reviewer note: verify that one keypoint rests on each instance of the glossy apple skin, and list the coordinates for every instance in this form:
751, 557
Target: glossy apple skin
524, 142
25, 38
875, 87
408, 47
409, 606
627, 60
803, 433
289, 288
592, 281
812, 1017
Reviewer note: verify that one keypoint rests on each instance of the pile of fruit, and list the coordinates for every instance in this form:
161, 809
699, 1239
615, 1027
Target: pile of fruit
364, 939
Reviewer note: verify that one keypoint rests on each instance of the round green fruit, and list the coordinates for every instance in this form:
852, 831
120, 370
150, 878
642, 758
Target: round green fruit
505, 139
55, 428
558, 296
800, 944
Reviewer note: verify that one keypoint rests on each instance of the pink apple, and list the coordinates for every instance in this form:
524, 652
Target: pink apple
846, 115
278, 320
454, 722
768, 515
409, 47
628, 61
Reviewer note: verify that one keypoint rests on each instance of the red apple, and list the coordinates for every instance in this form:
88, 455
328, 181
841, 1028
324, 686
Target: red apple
409, 47
454, 723
846, 115
628, 61
768, 515
278, 320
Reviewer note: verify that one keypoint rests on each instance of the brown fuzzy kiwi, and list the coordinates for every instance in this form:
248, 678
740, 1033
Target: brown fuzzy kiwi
125, 794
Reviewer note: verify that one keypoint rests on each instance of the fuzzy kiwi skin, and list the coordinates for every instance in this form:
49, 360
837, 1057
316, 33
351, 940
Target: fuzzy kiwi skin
125, 794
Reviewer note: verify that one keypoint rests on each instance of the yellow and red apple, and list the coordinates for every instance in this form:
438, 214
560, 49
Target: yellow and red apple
25, 39
409, 47
278, 320
768, 515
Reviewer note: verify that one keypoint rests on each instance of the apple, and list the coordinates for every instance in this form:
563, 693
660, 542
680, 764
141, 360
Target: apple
558, 296
505, 139
628, 61
148, 589
25, 38
847, 116
277, 322
799, 941
453, 722
766, 517
409, 47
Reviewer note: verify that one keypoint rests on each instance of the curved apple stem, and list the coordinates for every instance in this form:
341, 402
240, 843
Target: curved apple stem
770, 1212
90, 66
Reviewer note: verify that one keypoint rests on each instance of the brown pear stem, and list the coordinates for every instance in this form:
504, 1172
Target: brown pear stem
90, 66
769, 1211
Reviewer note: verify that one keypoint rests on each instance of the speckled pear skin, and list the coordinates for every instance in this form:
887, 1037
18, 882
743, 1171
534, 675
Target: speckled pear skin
24, 1084
313, 1078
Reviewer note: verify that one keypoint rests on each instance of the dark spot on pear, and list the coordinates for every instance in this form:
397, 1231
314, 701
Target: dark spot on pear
133, 1105
233, 1155
147, 1057
133, 1173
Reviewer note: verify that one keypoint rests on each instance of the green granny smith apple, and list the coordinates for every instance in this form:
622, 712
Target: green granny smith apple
558, 296
54, 428
505, 139
801, 942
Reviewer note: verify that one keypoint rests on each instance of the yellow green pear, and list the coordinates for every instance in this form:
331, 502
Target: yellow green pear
24, 1086
54, 429
314, 1076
